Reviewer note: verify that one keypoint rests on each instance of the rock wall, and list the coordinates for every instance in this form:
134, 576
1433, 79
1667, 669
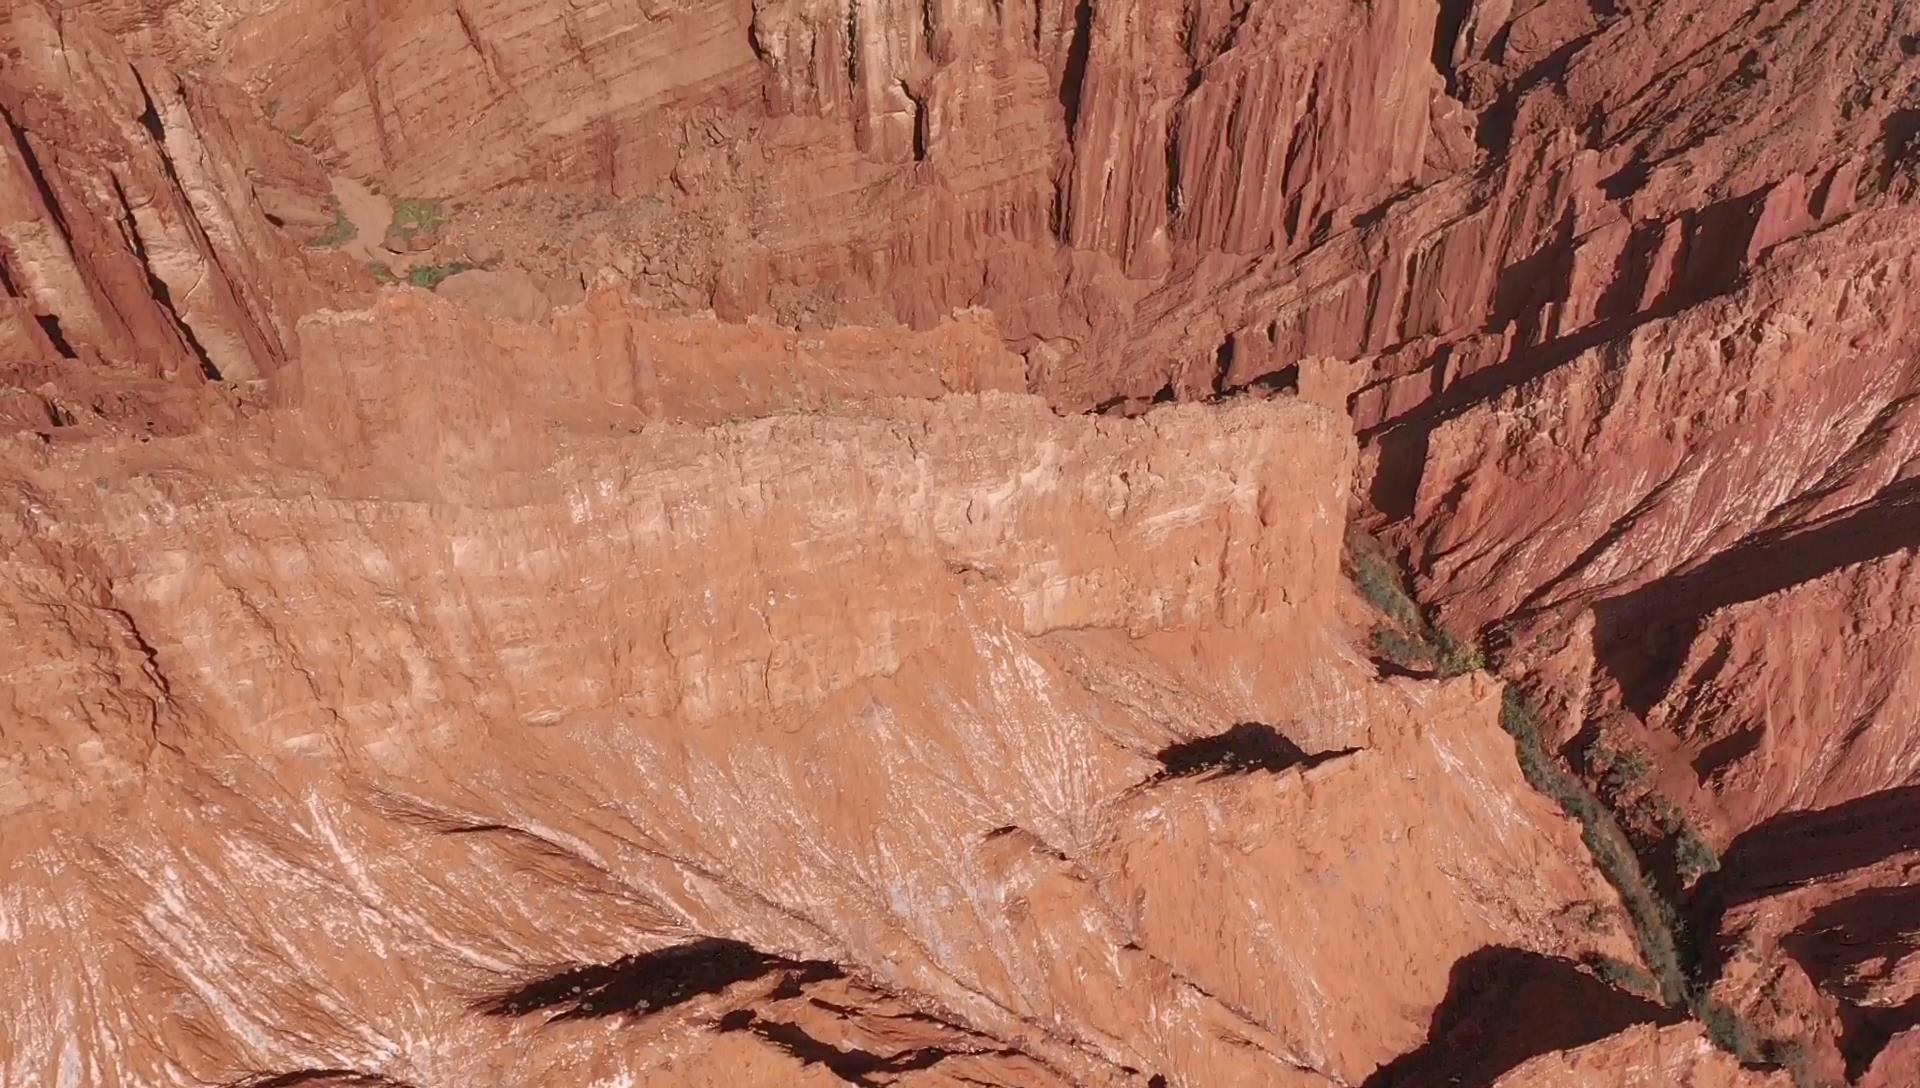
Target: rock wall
392, 731
1616, 297
148, 222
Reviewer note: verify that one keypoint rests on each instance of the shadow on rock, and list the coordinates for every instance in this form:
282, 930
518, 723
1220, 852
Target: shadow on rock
1247, 747
650, 982
852, 1065
1506, 1005
318, 1078
1798, 847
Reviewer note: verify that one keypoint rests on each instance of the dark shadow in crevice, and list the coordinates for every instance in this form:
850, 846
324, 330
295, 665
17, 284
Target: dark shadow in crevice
1797, 848
318, 1078
50, 325
852, 1065
1641, 638
1243, 749
1865, 1031
651, 982
1727, 751
1504, 1006
1898, 142
1495, 131
1074, 73
1446, 37
1839, 940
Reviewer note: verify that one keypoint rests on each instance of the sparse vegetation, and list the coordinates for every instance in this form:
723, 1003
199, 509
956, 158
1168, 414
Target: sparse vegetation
1400, 648
1625, 976
1379, 582
1792, 1056
1654, 919
431, 276
1409, 640
382, 273
413, 217
1693, 857
1657, 926
1725, 1028
341, 232
1454, 656
1627, 769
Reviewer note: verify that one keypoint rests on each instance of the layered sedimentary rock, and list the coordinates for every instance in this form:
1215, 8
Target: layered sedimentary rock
389, 731
1643, 1057
149, 222
1619, 292
1817, 927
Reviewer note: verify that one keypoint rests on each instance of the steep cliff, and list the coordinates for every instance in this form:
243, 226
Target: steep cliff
390, 729
711, 642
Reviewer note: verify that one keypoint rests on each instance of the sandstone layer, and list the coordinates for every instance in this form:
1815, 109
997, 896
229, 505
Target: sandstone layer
438, 742
839, 714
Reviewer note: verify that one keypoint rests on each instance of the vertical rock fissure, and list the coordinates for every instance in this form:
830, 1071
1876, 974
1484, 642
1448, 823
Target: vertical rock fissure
50, 326
1448, 24
853, 46
38, 175
1073, 75
158, 287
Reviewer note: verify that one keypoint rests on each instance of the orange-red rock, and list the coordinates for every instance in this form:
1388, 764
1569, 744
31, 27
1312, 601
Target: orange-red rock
513, 629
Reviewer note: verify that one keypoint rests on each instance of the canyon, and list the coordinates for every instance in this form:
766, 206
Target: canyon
959, 542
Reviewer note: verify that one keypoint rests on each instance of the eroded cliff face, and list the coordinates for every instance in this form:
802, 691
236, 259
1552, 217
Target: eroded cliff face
388, 730
711, 644
149, 223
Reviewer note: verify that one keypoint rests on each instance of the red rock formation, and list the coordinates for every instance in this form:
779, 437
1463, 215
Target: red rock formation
345, 725
141, 214
1619, 292
1818, 926
1643, 1057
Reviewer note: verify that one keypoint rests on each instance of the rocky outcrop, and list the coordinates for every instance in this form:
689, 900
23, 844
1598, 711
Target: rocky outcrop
1643, 1057
389, 731
149, 222
1615, 296
1816, 928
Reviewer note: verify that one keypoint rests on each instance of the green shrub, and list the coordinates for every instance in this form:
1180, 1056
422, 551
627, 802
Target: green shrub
1625, 976
1692, 856
1456, 657
431, 276
1654, 920
1628, 768
1793, 1056
1380, 584
1725, 1028
413, 216
382, 273
1401, 649
341, 232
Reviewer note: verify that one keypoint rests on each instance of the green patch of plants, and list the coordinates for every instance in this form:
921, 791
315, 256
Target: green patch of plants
1792, 1056
1658, 930
1693, 857
1400, 649
1380, 584
1455, 657
1628, 769
1654, 919
431, 276
382, 273
341, 232
1625, 976
1725, 1028
413, 216
1409, 639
